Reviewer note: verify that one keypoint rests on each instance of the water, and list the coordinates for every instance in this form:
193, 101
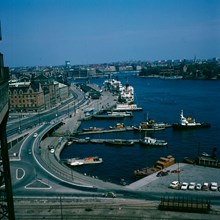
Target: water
161, 100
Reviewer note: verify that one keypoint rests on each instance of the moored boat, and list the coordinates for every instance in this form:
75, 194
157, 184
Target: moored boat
92, 129
146, 126
148, 141
127, 107
87, 160
161, 164
114, 115
189, 122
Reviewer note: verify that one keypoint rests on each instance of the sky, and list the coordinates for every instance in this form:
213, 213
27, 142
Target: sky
50, 32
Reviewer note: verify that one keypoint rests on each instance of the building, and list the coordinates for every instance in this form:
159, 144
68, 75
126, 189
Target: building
6, 196
39, 94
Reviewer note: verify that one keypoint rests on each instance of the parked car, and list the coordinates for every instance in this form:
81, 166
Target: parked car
175, 184
213, 186
205, 186
192, 186
198, 186
184, 186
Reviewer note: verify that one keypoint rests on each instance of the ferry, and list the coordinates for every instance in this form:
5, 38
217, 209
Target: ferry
87, 160
162, 163
114, 115
127, 107
148, 141
188, 123
126, 94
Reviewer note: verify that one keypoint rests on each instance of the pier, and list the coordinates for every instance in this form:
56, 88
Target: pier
127, 128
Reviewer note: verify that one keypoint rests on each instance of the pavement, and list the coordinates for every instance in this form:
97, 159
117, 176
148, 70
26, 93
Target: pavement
150, 184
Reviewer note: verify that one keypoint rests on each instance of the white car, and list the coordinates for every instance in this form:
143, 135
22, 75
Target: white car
35, 135
192, 186
52, 150
175, 184
213, 186
198, 186
184, 186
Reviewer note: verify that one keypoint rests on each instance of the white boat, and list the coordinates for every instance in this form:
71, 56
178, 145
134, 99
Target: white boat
87, 160
127, 107
114, 115
148, 141
126, 94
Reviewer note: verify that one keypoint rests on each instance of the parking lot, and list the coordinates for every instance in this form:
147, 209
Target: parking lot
188, 174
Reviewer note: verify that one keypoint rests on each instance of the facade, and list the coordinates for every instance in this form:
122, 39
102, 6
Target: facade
6, 196
26, 97
39, 94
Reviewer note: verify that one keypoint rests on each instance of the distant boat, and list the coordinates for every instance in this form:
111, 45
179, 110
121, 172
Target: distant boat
148, 141
188, 123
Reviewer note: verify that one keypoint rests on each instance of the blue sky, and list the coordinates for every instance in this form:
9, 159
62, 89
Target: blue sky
48, 32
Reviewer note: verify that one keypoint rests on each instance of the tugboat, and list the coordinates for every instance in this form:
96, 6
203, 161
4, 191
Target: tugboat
148, 141
188, 123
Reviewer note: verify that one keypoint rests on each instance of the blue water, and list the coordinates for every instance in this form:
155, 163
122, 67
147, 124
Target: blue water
162, 100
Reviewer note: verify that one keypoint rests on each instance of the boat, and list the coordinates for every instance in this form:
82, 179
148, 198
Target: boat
146, 126
148, 141
92, 129
114, 115
127, 107
161, 164
126, 94
118, 126
189, 122
120, 142
87, 160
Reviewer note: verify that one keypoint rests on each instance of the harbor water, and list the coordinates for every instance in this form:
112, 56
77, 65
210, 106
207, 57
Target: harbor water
161, 100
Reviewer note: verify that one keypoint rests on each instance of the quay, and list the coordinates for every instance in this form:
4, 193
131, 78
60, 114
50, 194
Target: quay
127, 128
101, 141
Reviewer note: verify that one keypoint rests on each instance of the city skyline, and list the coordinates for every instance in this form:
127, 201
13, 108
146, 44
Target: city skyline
48, 32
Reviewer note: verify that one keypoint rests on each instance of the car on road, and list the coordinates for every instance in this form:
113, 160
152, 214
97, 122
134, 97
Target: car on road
175, 184
29, 151
110, 195
35, 135
213, 186
205, 186
192, 186
198, 186
52, 150
184, 186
